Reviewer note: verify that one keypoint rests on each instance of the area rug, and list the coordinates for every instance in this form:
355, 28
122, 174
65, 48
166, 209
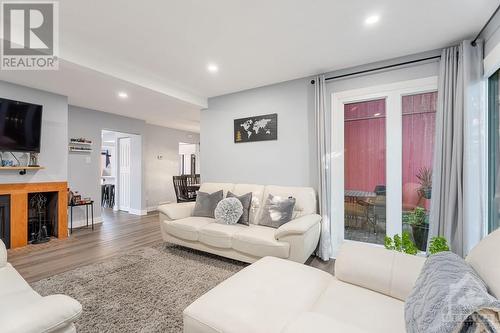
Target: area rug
145, 290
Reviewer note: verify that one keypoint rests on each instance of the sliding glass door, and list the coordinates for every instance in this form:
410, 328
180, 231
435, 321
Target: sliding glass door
382, 150
364, 171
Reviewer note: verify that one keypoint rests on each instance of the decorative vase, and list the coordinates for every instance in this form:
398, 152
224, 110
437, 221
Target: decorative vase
420, 234
70, 197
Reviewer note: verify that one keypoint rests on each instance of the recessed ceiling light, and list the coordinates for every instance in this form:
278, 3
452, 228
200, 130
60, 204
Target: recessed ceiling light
212, 68
372, 19
122, 94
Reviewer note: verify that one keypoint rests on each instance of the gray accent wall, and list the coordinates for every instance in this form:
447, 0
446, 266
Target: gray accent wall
156, 175
286, 161
54, 148
291, 160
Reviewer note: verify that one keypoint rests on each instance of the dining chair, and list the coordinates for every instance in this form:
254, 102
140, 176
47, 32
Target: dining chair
180, 187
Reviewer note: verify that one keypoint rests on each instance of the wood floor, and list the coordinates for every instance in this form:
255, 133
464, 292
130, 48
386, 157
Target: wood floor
119, 232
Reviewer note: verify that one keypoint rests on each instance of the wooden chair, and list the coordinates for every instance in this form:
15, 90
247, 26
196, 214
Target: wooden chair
180, 187
193, 185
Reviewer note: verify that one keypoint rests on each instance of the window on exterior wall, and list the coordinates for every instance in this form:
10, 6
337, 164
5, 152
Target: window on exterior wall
418, 127
494, 153
365, 171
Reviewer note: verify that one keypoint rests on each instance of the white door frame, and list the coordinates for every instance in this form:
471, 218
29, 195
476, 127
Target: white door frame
123, 189
393, 94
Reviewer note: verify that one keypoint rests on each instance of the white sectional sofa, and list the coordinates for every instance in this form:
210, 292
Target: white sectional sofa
295, 240
366, 295
22, 310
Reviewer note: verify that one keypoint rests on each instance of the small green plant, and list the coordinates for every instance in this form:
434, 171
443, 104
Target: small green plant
401, 243
417, 217
438, 244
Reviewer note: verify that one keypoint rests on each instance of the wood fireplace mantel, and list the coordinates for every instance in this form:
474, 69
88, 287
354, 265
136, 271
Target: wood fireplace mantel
19, 208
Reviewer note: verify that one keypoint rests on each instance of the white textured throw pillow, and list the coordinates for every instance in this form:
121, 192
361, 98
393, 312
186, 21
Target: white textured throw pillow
228, 211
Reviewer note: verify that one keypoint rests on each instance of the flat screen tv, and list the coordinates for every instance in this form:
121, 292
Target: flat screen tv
20, 126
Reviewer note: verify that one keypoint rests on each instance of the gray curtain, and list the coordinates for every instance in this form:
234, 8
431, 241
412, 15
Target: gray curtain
455, 191
323, 138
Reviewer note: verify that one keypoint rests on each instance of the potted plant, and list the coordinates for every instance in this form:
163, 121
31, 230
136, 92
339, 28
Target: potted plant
401, 244
404, 244
424, 177
438, 244
419, 223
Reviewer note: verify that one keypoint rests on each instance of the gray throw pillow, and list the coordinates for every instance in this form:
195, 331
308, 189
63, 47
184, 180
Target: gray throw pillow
206, 203
246, 202
277, 211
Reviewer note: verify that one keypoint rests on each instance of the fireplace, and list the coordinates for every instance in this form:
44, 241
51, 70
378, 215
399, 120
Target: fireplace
5, 219
22, 216
42, 216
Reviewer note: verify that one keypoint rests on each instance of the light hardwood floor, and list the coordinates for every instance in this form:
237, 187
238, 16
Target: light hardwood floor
119, 232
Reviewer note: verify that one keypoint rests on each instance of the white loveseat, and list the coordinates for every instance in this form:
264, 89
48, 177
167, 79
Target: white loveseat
295, 240
366, 295
22, 310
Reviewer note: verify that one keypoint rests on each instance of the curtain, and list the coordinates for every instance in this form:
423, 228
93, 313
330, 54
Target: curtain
456, 203
323, 138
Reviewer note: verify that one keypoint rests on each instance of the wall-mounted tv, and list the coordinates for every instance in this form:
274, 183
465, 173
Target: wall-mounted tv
20, 126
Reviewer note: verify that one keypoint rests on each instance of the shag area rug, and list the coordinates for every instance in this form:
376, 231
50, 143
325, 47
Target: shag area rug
144, 290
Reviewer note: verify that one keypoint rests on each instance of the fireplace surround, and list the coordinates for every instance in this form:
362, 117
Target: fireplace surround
19, 195
5, 219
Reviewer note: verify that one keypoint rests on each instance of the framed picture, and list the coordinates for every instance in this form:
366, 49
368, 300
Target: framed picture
256, 128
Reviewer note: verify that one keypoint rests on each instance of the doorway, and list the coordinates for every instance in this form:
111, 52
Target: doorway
121, 172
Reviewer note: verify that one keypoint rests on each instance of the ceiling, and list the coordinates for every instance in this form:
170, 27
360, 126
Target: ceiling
158, 50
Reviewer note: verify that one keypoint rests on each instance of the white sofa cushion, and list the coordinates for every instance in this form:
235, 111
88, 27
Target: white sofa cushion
484, 259
262, 297
305, 198
214, 187
259, 241
316, 322
219, 235
187, 228
388, 272
257, 198
364, 309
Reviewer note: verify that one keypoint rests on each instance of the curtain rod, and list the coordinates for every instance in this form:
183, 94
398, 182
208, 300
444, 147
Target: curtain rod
380, 68
473, 43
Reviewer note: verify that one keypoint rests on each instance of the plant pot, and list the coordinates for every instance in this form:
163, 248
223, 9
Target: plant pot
427, 193
420, 235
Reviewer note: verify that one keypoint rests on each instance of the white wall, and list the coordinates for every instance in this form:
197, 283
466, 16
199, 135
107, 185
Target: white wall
291, 160
156, 175
159, 172
54, 146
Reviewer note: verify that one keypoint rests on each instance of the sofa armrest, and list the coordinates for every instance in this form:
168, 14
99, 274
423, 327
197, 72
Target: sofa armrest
298, 226
48, 314
177, 211
373, 267
3, 254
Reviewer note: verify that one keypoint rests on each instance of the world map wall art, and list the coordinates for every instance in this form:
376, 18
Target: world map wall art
257, 128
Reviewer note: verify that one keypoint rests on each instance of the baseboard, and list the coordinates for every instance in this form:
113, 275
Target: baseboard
138, 211
83, 222
152, 208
